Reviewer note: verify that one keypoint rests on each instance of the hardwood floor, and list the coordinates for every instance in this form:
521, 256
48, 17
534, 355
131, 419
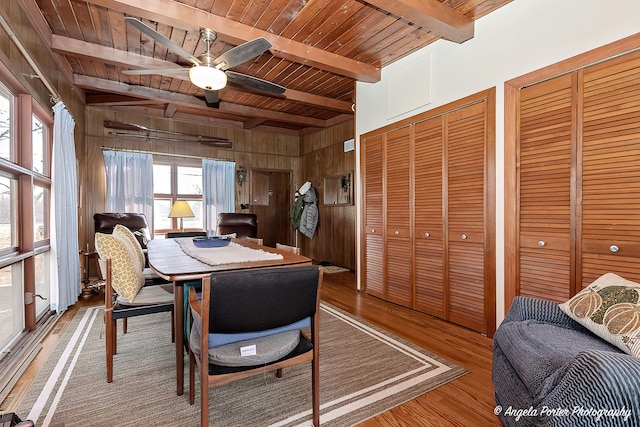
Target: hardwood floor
466, 401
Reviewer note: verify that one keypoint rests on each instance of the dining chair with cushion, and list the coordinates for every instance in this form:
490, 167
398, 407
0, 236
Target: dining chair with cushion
242, 224
127, 293
288, 248
254, 240
253, 322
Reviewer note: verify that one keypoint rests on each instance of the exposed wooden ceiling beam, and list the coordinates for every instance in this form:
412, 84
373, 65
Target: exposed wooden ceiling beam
432, 16
190, 101
250, 124
120, 58
190, 18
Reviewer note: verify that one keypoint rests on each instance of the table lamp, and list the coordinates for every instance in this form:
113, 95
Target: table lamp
181, 209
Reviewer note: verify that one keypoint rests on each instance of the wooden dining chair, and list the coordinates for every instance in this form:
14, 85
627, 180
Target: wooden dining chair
266, 308
288, 248
127, 293
255, 240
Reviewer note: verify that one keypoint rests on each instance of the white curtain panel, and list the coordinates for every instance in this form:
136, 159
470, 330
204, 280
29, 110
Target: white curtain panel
218, 190
129, 183
65, 280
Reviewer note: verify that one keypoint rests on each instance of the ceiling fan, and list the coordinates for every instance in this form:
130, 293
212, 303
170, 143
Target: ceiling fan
207, 72
138, 131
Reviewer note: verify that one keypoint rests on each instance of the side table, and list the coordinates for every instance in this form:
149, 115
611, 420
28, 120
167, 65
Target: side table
88, 285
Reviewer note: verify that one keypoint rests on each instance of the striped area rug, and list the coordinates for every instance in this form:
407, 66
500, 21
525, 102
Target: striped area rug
364, 371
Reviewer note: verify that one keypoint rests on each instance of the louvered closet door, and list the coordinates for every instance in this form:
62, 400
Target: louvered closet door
465, 200
372, 171
398, 220
546, 117
611, 170
430, 295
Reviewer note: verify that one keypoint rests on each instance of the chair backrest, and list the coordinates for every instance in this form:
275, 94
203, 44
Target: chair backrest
259, 299
176, 234
243, 224
255, 240
288, 248
136, 222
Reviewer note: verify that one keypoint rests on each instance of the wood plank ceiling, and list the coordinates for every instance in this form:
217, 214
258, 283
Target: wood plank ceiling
319, 49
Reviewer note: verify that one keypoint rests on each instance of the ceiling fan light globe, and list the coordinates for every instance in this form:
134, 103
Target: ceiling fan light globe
207, 78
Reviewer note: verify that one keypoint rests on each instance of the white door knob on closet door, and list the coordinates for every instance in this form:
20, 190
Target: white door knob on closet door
541, 243
614, 248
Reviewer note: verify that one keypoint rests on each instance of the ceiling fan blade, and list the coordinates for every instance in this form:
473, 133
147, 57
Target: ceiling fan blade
177, 73
242, 53
255, 83
212, 98
173, 47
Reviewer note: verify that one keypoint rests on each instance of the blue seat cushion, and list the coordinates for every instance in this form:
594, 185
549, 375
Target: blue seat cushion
540, 352
216, 340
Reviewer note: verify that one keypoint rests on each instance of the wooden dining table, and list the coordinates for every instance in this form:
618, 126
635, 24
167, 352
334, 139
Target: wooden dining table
170, 262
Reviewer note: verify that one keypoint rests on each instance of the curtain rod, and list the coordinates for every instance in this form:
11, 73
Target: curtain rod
54, 97
158, 153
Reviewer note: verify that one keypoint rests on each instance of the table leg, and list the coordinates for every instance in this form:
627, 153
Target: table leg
178, 311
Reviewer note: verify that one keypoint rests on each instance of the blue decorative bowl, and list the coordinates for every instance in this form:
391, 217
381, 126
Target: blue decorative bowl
211, 242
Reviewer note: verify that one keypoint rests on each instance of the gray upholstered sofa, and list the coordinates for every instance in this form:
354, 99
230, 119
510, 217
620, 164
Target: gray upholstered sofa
548, 370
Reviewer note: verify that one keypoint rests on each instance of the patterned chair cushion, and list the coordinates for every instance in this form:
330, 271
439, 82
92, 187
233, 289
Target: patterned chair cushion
130, 239
609, 307
127, 278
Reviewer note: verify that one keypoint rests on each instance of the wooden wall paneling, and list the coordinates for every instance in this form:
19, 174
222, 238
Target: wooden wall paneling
610, 176
465, 213
429, 281
397, 202
372, 169
546, 111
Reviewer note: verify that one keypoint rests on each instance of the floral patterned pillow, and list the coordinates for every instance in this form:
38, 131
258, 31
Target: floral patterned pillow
127, 278
610, 308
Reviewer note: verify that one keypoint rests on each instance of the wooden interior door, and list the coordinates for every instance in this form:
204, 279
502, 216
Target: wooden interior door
610, 174
372, 190
545, 253
430, 293
465, 174
271, 202
399, 253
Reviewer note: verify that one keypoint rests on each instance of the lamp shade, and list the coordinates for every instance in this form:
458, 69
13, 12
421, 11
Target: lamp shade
208, 78
181, 209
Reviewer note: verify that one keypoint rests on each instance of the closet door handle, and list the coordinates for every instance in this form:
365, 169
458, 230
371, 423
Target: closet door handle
541, 243
463, 237
396, 232
427, 234
614, 248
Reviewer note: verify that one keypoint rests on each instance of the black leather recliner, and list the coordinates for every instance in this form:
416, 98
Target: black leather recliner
243, 224
136, 222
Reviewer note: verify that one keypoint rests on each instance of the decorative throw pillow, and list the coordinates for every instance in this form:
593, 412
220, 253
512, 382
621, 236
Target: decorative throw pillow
610, 308
130, 239
127, 278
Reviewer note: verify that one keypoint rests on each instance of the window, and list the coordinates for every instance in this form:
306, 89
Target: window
6, 102
176, 181
25, 187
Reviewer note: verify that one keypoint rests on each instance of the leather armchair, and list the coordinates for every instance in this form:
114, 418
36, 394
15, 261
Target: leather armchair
136, 222
243, 224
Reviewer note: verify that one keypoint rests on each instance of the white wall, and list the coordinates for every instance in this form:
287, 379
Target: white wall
518, 38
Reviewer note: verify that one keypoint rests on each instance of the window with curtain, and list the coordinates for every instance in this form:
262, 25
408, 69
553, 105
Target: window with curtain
172, 181
129, 188
219, 190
